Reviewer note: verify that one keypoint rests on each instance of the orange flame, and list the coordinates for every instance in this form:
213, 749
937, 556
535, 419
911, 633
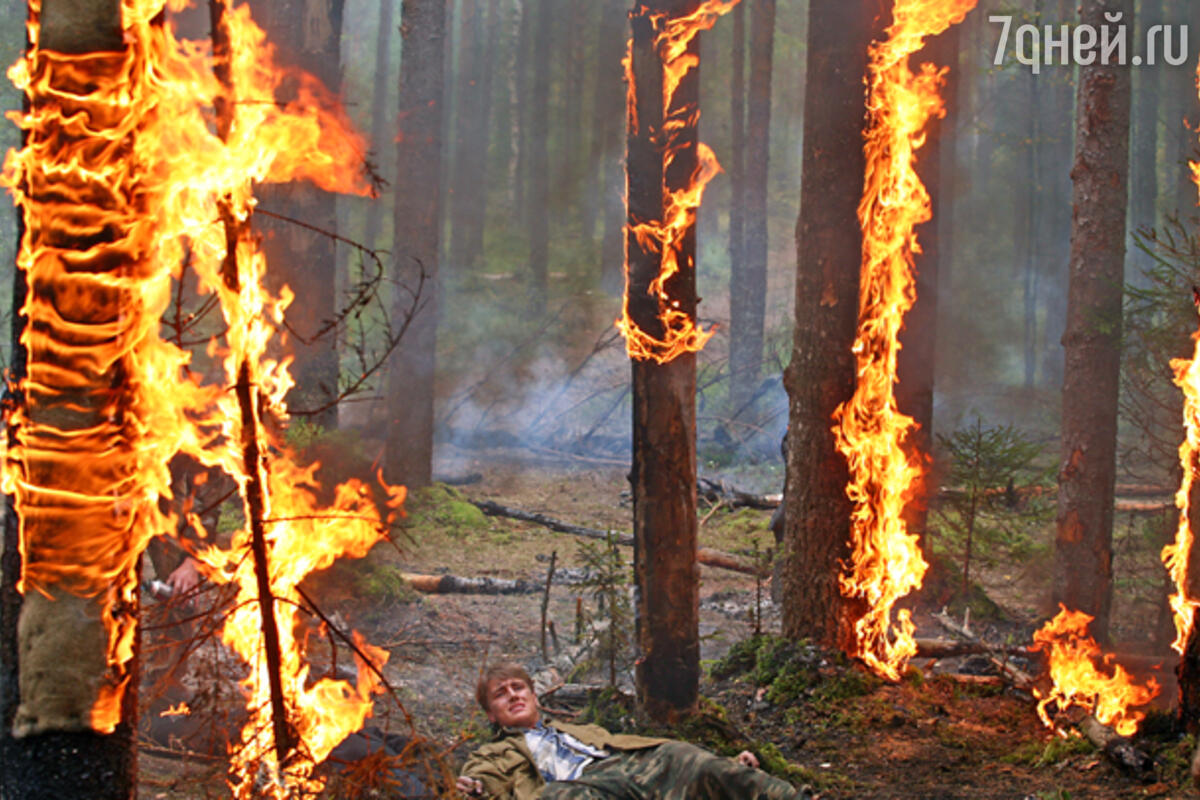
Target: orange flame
870, 430
1078, 681
121, 178
665, 236
176, 710
1175, 556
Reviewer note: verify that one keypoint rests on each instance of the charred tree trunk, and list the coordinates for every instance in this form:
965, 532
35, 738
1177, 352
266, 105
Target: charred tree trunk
539, 165
1083, 547
409, 437
664, 415
821, 374
747, 304
379, 119
54, 668
307, 260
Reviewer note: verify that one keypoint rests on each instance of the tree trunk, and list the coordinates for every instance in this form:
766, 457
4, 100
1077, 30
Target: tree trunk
821, 374
468, 193
747, 304
1143, 166
305, 259
1182, 120
409, 438
379, 120
664, 415
539, 165
69, 714
1025, 219
609, 118
734, 164
915, 367
1083, 547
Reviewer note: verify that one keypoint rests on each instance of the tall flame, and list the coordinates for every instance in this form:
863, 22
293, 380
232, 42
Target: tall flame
1108, 693
1177, 554
122, 178
665, 235
870, 430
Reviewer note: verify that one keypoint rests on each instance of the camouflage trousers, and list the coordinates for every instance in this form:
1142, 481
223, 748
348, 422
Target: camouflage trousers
671, 771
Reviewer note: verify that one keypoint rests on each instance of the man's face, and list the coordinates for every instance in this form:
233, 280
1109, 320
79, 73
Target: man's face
512, 703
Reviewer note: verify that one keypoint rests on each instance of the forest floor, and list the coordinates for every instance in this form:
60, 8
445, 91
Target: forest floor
813, 717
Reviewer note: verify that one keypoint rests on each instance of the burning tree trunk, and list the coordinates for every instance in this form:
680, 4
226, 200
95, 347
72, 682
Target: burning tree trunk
667, 169
310, 33
747, 302
1083, 547
820, 376
409, 443
76, 431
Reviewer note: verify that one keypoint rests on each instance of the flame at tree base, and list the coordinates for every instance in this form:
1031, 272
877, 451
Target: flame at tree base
1106, 691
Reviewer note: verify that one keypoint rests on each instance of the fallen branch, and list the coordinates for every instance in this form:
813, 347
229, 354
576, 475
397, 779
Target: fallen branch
940, 648
455, 584
1020, 678
706, 556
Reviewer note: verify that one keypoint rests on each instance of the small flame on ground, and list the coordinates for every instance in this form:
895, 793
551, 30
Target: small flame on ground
664, 236
870, 430
125, 143
1106, 691
1176, 555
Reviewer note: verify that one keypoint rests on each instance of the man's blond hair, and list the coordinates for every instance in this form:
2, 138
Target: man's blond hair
500, 671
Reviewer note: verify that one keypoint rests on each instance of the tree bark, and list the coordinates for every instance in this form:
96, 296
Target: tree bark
1083, 546
468, 195
56, 741
304, 259
747, 303
821, 374
1143, 166
408, 452
663, 474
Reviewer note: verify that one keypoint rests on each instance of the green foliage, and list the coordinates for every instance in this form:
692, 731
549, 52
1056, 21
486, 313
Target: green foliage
611, 626
1053, 751
1160, 318
996, 472
378, 583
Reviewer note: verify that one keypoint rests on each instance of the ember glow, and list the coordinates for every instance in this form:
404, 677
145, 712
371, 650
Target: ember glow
1177, 554
664, 236
1083, 678
122, 178
870, 430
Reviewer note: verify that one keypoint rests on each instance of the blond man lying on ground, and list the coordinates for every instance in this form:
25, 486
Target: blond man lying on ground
532, 759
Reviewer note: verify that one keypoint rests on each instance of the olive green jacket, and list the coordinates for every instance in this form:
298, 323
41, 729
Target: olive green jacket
508, 772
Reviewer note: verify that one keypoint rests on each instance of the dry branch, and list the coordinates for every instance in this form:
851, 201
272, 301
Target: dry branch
941, 648
1019, 677
706, 556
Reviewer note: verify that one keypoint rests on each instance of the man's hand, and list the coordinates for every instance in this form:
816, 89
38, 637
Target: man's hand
747, 759
185, 578
471, 786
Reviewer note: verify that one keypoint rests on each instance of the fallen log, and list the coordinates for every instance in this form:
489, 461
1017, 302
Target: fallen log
1116, 748
941, 648
718, 491
455, 584
705, 555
